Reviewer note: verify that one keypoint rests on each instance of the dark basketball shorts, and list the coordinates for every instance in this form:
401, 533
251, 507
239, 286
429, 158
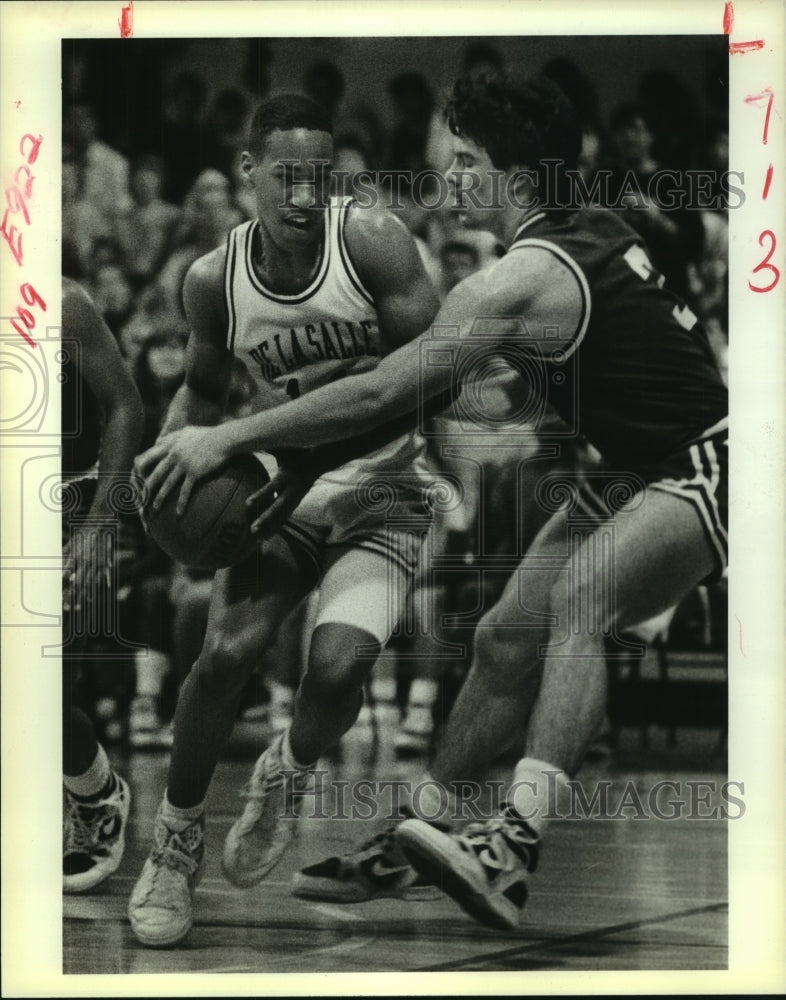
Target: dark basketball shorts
697, 474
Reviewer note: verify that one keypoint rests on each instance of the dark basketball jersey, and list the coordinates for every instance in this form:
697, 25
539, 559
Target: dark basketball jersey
639, 379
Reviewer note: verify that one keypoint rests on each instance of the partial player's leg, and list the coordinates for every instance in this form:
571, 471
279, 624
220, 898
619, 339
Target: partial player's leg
247, 603
355, 615
491, 711
354, 878
96, 800
660, 552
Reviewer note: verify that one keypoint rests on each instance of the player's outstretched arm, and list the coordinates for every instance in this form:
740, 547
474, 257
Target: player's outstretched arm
519, 286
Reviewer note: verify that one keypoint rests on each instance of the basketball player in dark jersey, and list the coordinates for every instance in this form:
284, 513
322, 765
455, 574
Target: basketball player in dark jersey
102, 427
629, 366
311, 290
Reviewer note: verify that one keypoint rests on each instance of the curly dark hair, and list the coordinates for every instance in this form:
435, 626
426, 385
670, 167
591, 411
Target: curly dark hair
519, 124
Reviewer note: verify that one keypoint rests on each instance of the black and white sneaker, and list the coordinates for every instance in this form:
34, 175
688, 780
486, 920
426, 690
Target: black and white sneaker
94, 835
376, 870
485, 868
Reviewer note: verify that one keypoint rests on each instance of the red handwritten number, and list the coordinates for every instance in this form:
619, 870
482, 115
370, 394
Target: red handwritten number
754, 99
31, 296
32, 156
765, 264
28, 189
12, 237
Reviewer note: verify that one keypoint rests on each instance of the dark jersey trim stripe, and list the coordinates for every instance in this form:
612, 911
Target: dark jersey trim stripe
304, 296
229, 284
581, 280
346, 260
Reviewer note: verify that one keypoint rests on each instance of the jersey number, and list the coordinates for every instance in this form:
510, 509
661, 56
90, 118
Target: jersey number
640, 264
292, 388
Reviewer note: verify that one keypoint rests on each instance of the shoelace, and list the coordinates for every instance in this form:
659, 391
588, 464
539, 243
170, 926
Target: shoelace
161, 864
513, 835
175, 860
81, 829
173, 855
384, 843
260, 786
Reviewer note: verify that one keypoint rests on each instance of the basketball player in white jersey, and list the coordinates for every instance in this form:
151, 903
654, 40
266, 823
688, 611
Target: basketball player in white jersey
311, 290
646, 393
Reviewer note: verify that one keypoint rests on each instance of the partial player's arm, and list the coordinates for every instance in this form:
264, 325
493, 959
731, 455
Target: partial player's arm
528, 285
200, 402
105, 372
531, 284
390, 267
202, 398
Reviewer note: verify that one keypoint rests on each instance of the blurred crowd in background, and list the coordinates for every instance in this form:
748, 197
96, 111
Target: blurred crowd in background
146, 194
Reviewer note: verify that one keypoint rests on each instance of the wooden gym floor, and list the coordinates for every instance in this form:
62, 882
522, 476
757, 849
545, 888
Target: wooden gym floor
609, 894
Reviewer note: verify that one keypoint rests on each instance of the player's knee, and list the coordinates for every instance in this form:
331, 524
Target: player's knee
224, 665
339, 663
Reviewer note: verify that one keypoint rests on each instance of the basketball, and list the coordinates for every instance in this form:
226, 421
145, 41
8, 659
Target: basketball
214, 531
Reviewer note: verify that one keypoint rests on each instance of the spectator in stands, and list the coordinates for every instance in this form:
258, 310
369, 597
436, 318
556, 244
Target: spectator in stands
182, 137
209, 212
670, 109
159, 374
83, 223
227, 128
672, 234
350, 159
147, 232
593, 155
324, 83
104, 171
414, 102
113, 295
482, 58
578, 87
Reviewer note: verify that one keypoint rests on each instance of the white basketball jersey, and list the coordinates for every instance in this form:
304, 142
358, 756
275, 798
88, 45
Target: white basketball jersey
292, 344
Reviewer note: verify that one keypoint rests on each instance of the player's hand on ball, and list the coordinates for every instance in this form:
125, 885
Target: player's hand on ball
270, 507
181, 459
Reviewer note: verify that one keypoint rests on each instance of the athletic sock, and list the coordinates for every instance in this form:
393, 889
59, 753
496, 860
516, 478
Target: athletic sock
288, 758
535, 793
178, 819
96, 781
